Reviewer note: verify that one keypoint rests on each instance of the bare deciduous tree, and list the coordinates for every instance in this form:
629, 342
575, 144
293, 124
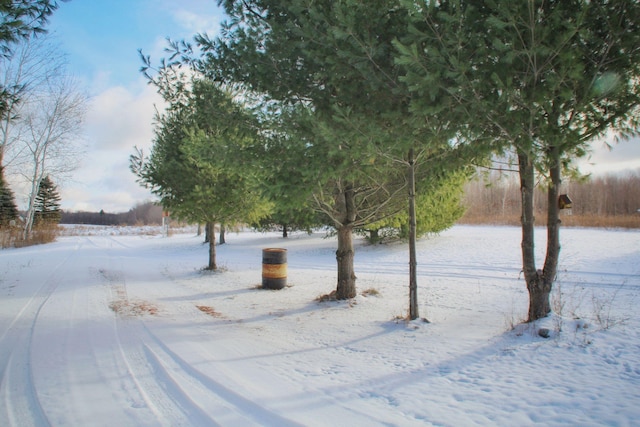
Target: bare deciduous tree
605, 200
33, 62
49, 137
44, 110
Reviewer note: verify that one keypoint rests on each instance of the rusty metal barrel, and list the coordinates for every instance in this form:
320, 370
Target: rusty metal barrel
274, 268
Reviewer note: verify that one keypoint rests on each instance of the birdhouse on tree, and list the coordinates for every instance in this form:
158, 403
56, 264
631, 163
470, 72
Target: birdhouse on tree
564, 202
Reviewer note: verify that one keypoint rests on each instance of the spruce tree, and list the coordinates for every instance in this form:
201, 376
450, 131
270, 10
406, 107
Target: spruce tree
47, 204
8, 208
438, 207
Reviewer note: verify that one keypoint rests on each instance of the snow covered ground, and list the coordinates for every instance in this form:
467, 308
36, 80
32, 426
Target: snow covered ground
110, 328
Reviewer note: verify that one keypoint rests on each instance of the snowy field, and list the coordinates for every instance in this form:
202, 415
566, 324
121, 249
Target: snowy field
109, 328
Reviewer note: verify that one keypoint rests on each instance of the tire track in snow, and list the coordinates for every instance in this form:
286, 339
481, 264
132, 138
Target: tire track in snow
141, 385
21, 405
177, 393
220, 401
97, 357
150, 384
149, 390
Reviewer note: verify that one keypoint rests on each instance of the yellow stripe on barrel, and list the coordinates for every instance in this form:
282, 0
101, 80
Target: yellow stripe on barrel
274, 271
274, 268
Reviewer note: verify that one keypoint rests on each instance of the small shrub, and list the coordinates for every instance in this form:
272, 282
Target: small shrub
42, 233
9, 236
602, 310
45, 232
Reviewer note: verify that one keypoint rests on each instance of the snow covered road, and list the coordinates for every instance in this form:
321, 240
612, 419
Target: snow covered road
126, 330
79, 339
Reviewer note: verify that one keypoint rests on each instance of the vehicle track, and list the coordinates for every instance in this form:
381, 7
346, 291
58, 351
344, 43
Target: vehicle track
20, 402
217, 402
144, 380
176, 392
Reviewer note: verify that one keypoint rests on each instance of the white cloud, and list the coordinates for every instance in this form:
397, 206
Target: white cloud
620, 157
122, 106
197, 23
118, 120
121, 118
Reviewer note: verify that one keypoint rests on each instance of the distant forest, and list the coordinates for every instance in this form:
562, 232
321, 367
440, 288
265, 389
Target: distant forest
146, 213
602, 201
605, 201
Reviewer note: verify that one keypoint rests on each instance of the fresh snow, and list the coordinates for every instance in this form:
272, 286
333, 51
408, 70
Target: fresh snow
122, 327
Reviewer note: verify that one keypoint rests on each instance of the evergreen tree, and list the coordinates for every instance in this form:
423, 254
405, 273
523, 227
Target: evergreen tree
289, 55
8, 208
438, 207
288, 217
47, 203
544, 78
336, 60
20, 19
285, 182
200, 164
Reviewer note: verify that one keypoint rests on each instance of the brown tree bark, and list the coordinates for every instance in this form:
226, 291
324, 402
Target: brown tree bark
345, 256
222, 237
211, 233
550, 269
540, 282
413, 261
345, 206
538, 289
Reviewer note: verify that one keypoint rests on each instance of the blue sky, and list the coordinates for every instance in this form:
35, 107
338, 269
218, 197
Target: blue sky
102, 38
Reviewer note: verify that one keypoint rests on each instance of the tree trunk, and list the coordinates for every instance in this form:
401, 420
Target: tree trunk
208, 228
222, 237
538, 297
346, 206
539, 282
413, 262
550, 269
345, 255
539, 291
210, 232
30, 216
